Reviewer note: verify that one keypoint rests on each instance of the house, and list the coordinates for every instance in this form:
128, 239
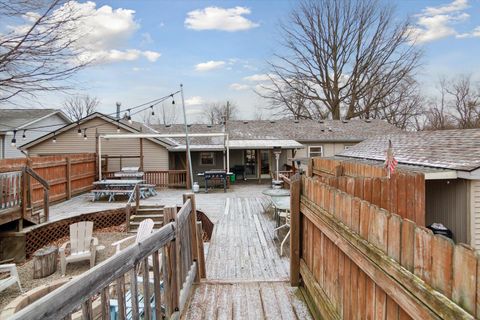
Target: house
26, 125
80, 137
251, 143
450, 160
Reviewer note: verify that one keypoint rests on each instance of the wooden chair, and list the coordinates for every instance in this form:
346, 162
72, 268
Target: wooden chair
144, 230
83, 246
13, 278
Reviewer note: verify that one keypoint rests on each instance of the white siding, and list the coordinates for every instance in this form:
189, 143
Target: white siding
329, 148
13, 152
475, 213
155, 155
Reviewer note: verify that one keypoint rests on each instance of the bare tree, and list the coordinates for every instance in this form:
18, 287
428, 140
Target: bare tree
344, 57
218, 112
164, 114
40, 54
78, 107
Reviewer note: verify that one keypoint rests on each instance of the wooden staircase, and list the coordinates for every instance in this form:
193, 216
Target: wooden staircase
35, 216
154, 212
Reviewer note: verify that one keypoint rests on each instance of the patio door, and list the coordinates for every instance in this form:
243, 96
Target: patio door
250, 160
265, 163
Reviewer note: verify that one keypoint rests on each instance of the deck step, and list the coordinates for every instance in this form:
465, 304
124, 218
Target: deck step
143, 211
146, 216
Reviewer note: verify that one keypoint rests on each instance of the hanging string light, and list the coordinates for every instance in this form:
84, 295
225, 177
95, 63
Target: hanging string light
173, 100
85, 134
54, 140
129, 117
153, 112
24, 136
14, 139
118, 126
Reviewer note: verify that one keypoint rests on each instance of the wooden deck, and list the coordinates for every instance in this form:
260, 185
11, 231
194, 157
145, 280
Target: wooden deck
246, 277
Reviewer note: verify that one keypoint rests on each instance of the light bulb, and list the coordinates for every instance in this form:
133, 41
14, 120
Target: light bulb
14, 142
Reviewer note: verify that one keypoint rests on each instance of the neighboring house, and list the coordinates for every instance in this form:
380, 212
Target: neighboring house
450, 160
21, 120
251, 142
116, 153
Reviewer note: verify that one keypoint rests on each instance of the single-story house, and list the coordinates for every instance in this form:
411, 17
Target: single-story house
80, 137
26, 125
450, 160
251, 143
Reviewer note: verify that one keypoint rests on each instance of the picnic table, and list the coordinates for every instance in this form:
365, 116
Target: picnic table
111, 188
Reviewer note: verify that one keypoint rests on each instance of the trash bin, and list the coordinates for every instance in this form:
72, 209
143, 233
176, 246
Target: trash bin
438, 228
232, 178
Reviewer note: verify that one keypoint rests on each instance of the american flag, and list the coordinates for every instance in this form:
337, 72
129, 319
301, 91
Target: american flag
390, 161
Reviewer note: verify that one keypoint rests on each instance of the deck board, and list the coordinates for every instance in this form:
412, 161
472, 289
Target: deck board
246, 277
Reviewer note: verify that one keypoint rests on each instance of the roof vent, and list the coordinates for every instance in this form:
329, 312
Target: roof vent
368, 120
272, 121
323, 130
345, 121
330, 129
168, 125
209, 125
189, 125
245, 122
321, 121
296, 121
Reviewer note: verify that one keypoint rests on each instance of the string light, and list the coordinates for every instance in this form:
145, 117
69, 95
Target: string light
85, 134
24, 136
54, 140
79, 132
14, 139
118, 126
153, 112
173, 100
129, 117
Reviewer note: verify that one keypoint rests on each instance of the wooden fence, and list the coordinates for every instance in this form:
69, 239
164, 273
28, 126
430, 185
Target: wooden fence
403, 193
176, 251
359, 261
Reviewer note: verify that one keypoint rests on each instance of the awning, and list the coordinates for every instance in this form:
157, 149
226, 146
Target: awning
264, 144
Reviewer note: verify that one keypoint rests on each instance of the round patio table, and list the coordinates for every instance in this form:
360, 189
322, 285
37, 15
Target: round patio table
276, 192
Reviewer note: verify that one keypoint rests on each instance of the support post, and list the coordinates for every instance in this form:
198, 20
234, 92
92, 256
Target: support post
69, 178
193, 228
200, 250
172, 291
46, 208
24, 198
98, 149
128, 209
295, 235
141, 154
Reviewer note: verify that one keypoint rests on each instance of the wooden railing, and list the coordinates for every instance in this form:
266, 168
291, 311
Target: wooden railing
176, 252
160, 178
356, 259
10, 189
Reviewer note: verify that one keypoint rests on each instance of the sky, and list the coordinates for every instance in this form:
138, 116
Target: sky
219, 50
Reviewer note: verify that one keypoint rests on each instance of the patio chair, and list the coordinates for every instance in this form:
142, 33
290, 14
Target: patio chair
12, 278
144, 230
284, 214
83, 246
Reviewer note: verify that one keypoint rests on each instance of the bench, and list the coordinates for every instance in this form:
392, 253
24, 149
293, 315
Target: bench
97, 194
147, 190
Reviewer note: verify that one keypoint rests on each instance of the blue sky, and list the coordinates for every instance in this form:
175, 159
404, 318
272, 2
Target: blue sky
218, 49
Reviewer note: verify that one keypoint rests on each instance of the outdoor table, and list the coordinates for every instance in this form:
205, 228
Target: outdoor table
280, 201
110, 187
129, 174
276, 192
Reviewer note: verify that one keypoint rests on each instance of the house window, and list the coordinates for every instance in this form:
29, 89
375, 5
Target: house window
315, 151
207, 158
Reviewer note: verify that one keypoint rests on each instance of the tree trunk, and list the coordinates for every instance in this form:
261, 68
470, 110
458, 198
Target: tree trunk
44, 262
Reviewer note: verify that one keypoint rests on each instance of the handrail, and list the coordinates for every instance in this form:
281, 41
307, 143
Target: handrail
34, 175
62, 301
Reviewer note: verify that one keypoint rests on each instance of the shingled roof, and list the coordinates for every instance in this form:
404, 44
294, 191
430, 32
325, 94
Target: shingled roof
287, 129
16, 118
449, 149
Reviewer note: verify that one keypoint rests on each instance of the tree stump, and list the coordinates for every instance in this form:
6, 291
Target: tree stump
45, 262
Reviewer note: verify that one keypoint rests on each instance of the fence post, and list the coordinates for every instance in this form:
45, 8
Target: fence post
193, 229
46, 209
295, 230
69, 178
200, 249
24, 198
172, 292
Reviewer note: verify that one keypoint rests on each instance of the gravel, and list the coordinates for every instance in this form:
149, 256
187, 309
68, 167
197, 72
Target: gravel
105, 237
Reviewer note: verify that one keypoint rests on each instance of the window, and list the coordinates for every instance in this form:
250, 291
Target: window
315, 151
207, 158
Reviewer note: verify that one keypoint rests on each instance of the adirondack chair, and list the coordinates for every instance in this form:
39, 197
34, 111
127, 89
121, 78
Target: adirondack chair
12, 278
144, 230
83, 246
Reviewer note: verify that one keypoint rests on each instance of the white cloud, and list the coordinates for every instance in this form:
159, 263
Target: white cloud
209, 65
194, 101
438, 22
215, 18
101, 33
258, 77
239, 86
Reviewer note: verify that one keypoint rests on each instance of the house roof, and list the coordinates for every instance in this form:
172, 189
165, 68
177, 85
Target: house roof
285, 129
18, 118
134, 127
448, 149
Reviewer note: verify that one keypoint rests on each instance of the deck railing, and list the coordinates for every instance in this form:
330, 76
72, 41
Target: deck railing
176, 253
160, 178
10, 189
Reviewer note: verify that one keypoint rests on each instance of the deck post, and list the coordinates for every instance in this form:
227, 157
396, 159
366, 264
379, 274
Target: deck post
295, 230
193, 236
201, 253
69, 177
172, 291
141, 154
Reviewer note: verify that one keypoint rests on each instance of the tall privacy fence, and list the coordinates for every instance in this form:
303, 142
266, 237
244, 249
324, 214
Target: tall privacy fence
356, 259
